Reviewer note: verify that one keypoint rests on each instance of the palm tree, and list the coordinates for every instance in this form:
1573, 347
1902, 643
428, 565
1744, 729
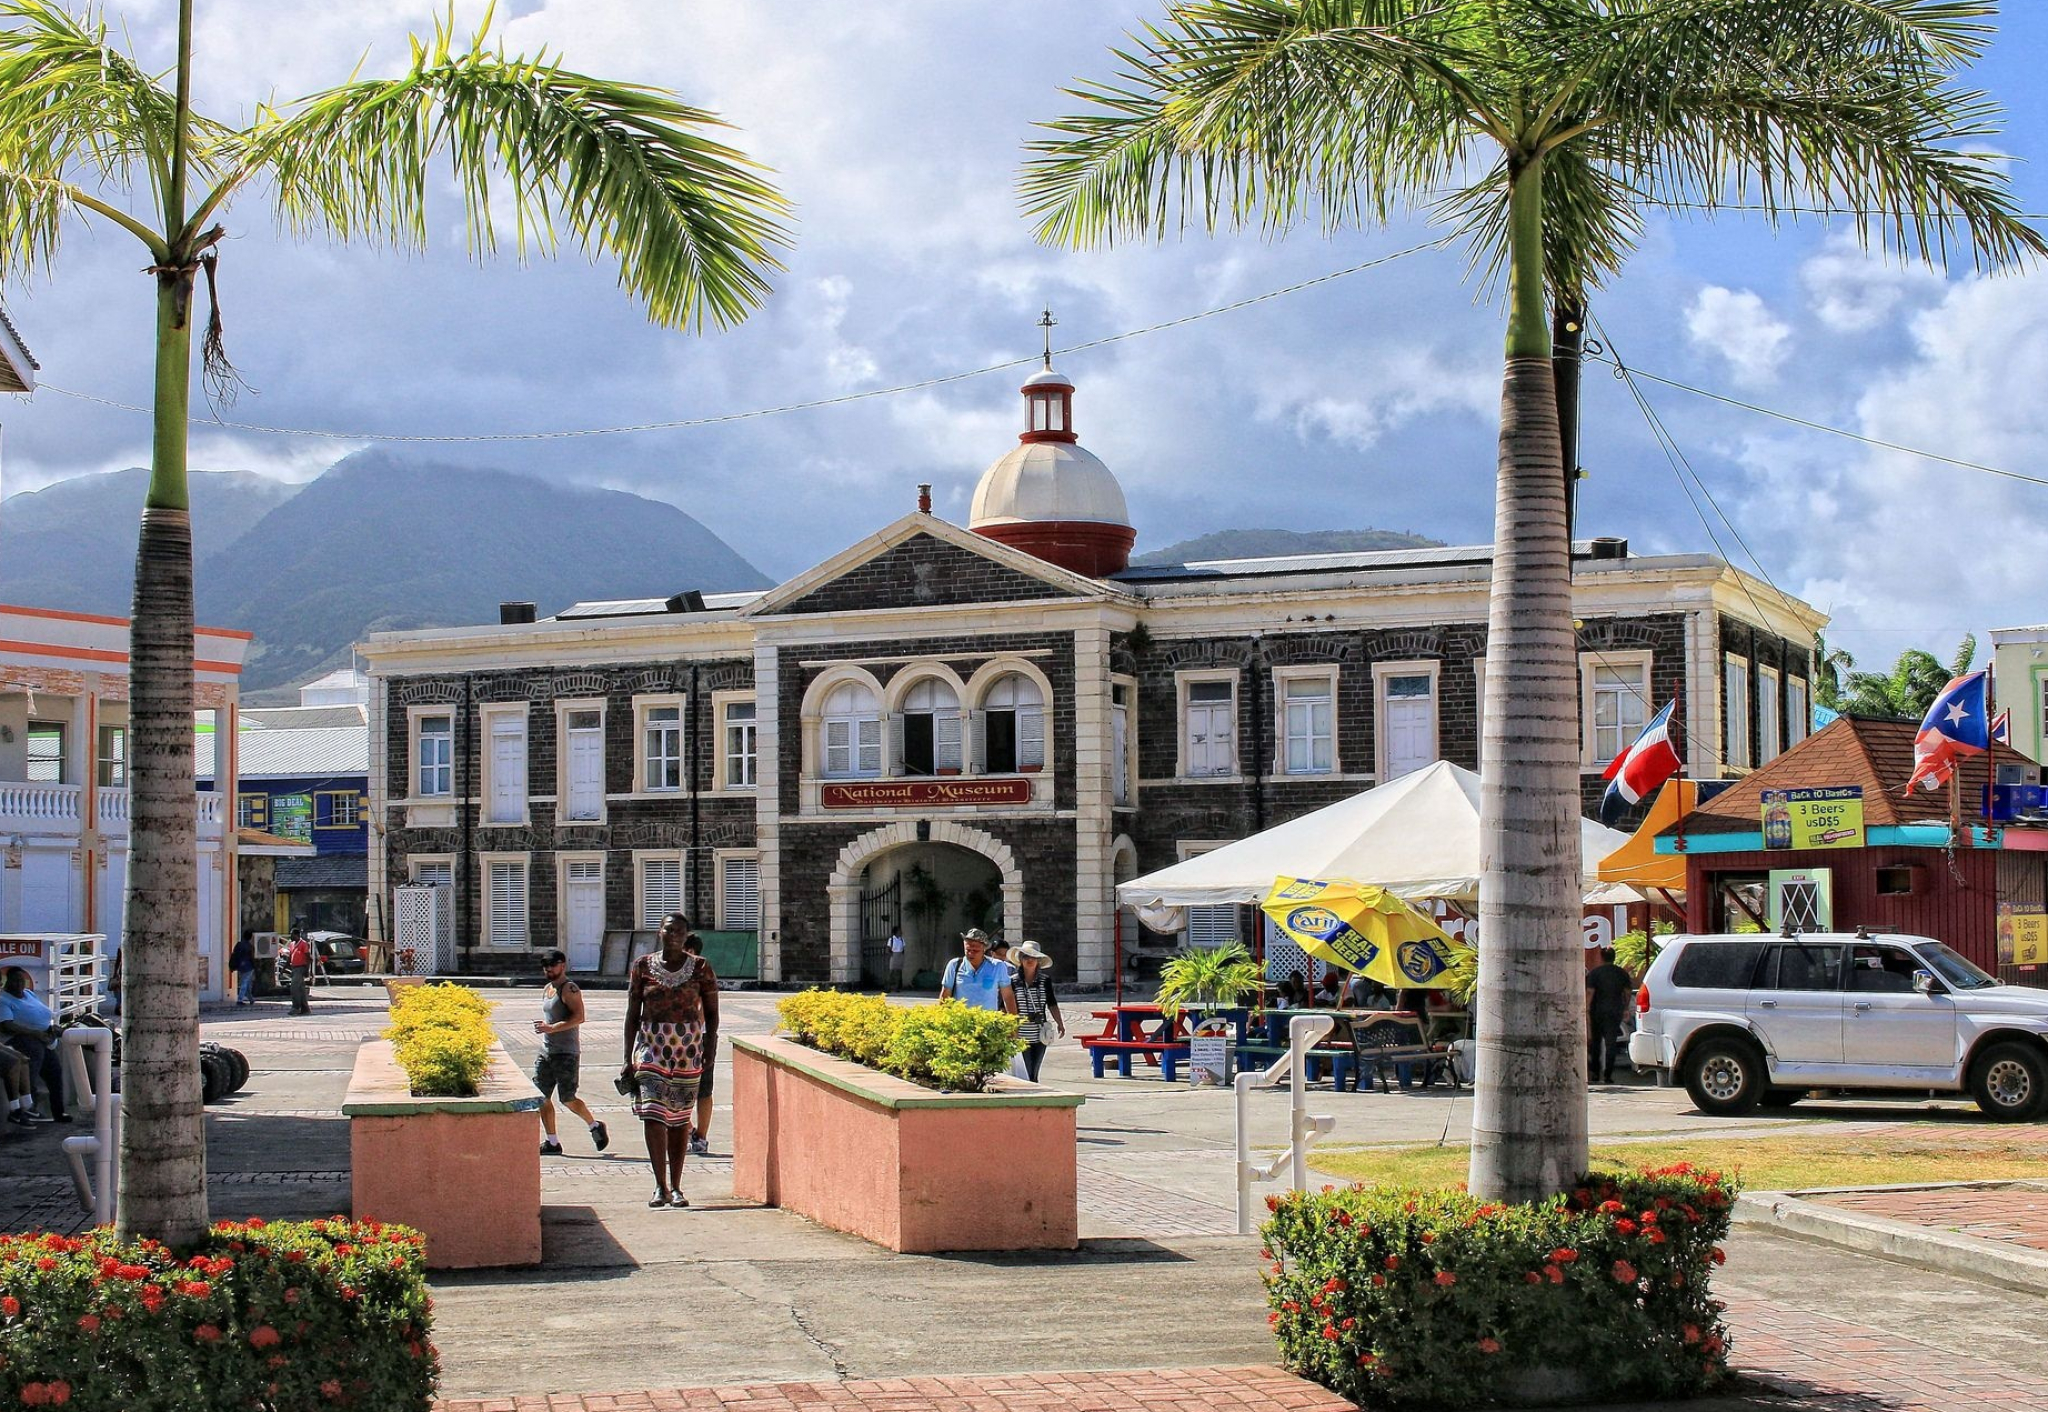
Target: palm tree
87, 131
1831, 669
1910, 687
1538, 128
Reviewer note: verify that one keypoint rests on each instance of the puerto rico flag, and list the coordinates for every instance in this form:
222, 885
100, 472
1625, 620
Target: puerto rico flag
1640, 770
1956, 726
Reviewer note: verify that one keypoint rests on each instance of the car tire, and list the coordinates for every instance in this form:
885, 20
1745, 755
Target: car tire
1725, 1076
1781, 1097
2009, 1081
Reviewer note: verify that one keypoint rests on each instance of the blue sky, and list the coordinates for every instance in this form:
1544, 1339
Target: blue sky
896, 126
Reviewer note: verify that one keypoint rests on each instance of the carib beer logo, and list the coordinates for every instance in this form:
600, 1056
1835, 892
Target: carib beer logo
1418, 960
1318, 922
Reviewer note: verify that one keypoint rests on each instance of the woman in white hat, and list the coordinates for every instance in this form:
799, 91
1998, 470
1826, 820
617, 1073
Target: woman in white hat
1038, 1009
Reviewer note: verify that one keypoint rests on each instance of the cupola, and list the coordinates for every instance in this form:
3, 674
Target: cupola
1050, 496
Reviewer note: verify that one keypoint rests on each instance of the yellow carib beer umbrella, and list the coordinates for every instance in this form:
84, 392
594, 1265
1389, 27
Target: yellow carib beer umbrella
1363, 928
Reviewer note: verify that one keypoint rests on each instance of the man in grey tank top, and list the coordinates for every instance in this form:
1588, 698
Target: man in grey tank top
557, 1070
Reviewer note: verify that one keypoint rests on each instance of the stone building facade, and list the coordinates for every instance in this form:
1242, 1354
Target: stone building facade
941, 727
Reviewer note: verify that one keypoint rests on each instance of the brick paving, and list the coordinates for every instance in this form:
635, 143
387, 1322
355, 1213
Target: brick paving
1154, 1390
2016, 1212
1833, 1365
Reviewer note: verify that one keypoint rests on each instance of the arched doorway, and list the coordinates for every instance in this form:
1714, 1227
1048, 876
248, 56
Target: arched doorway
955, 878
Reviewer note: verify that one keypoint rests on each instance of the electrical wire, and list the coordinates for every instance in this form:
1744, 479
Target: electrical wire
687, 423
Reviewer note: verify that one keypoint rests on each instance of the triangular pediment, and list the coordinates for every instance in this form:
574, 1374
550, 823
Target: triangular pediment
924, 562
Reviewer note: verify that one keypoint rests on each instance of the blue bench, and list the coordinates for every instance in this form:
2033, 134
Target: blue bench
1168, 1053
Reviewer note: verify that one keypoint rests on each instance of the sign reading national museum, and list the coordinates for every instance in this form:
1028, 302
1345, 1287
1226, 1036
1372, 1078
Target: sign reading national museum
924, 794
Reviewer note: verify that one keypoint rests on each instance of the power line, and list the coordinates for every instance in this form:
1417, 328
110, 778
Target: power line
685, 423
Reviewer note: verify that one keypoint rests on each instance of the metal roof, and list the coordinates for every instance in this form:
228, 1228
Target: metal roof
315, 753
328, 870
1442, 555
715, 605
296, 717
17, 365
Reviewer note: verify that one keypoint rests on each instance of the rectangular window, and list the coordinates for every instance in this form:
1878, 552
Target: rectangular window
1707, 966
1211, 927
1210, 728
507, 766
1798, 712
435, 872
740, 753
1802, 965
1735, 681
337, 809
663, 742
252, 811
505, 898
853, 746
1621, 705
739, 893
1769, 717
46, 752
434, 750
1308, 722
113, 760
661, 890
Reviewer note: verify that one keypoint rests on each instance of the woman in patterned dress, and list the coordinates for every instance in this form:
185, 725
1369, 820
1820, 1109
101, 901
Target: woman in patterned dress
671, 1021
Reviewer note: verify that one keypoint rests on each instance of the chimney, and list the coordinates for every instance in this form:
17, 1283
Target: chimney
688, 601
924, 500
515, 612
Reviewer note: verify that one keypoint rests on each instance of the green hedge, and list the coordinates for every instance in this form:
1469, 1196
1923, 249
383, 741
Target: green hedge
1417, 1299
949, 1046
277, 1317
442, 1037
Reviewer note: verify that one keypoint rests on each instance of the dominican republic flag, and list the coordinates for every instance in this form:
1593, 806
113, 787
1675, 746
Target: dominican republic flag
2001, 727
1956, 726
1638, 771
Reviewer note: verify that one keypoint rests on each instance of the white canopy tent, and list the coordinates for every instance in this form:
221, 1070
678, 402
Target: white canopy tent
1417, 837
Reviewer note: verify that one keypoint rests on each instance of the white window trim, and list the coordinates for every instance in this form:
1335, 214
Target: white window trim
562, 862
1798, 724
484, 862
413, 716
1430, 667
720, 779
719, 859
1736, 743
1771, 729
1311, 672
1130, 686
641, 857
973, 699
414, 861
1590, 760
1181, 682
643, 782
1195, 848
813, 720
487, 718
1479, 710
562, 709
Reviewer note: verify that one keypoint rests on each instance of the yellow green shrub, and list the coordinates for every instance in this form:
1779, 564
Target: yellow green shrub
949, 1045
442, 1036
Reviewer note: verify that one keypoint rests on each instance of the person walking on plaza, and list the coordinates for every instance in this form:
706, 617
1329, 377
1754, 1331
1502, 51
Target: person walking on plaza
700, 1141
560, 1066
298, 960
1038, 1008
1609, 989
977, 978
896, 958
242, 965
671, 1021
32, 1029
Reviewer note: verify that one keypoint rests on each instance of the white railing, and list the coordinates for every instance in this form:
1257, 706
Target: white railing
1304, 1127
212, 809
35, 806
112, 807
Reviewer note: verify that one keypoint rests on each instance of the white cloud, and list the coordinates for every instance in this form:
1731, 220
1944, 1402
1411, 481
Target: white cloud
1737, 326
1852, 291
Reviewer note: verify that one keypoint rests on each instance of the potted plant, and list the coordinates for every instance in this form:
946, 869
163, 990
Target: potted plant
1207, 978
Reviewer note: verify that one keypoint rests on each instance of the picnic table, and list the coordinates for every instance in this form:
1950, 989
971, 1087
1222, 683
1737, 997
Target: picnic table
1146, 1032
1363, 1046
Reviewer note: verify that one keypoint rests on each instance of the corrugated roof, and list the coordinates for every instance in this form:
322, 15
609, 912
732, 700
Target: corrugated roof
288, 717
1874, 752
1448, 555
315, 753
714, 604
328, 870
17, 365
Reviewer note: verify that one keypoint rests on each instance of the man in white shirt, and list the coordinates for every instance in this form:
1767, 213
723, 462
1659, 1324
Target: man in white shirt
896, 958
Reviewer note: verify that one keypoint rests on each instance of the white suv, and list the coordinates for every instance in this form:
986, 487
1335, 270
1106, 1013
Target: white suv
1760, 1019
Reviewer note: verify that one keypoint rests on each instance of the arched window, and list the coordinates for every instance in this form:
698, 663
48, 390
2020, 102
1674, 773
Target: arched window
1013, 726
851, 732
928, 729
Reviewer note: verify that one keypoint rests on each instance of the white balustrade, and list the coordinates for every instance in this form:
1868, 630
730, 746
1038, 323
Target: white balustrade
112, 807
35, 807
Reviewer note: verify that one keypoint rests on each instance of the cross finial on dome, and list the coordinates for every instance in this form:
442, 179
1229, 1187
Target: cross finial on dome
1046, 321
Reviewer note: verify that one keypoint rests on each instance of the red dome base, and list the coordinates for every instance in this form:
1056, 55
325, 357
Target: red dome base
1088, 547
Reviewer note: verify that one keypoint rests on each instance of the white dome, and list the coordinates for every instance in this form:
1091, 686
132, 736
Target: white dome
1047, 378
1046, 481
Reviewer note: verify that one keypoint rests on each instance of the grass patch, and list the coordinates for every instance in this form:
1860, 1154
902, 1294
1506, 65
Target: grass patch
1763, 1164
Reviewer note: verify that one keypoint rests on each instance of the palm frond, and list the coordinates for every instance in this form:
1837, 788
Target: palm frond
32, 211
627, 170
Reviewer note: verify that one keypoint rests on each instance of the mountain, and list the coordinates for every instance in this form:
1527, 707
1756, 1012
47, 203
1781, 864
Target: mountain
72, 545
1275, 543
378, 542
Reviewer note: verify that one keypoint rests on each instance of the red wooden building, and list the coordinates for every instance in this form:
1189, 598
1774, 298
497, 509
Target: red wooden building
1910, 873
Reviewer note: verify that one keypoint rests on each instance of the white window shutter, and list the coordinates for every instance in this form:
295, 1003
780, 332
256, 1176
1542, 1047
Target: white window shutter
977, 741
1120, 754
838, 747
895, 762
741, 903
870, 739
661, 890
1030, 736
508, 904
1210, 927
946, 746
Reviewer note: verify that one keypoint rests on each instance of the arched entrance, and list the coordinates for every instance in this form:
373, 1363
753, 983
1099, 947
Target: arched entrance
955, 878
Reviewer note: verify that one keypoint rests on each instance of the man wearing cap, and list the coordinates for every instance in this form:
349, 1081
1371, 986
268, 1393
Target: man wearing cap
977, 978
560, 1064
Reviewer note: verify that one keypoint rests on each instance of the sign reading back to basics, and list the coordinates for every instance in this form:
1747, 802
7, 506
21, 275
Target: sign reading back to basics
1813, 818
2022, 936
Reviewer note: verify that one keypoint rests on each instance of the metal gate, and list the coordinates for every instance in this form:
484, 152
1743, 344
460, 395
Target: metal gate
881, 911
423, 931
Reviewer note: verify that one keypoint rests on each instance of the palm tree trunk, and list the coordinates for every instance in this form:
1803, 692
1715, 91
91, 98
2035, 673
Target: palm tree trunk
163, 1137
1529, 1119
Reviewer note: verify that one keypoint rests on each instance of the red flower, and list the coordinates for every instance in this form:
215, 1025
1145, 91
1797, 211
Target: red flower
264, 1336
1330, 1332
46, 1263
10, 1306
90, 1323
1291, 1307
1563, 1255
291, 1296
1625, 1226
1692, 1334
1624, 1272
298, 1257
1272, 1203
1393, 1262
1429, 1238
331, 1390
209, 1333
1720, 1256
1343, 1218
1554, 1274
1532, 1278
1336, 1285
1610, 1208
1713, 1343
1348, 1325
1489, 1345
1272, 1318
195, 1289
1656, 1237
1379, 1281
1445, 1278
1366, 1360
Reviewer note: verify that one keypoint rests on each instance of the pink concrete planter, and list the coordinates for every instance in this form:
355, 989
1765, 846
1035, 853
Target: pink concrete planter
465, 1172
901, 1165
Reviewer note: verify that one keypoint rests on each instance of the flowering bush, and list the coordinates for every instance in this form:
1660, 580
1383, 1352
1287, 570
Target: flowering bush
1411, 1299
442, 1036
949, 1045
263, 1317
